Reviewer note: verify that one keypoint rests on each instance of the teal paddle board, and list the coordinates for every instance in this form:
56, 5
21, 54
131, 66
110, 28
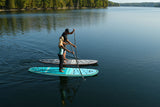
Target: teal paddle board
71, 72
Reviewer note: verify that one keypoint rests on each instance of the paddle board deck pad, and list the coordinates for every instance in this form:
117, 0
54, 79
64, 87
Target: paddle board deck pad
69, 61
71, 72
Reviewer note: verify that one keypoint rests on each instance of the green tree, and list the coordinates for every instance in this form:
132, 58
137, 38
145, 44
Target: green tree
20, 4
2, 4
69, 3
10, 4
29, 4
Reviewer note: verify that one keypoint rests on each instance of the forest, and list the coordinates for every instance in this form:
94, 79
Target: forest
54, 4
144, 4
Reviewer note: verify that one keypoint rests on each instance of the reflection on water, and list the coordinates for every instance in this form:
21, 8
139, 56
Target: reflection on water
68, 89
20, 22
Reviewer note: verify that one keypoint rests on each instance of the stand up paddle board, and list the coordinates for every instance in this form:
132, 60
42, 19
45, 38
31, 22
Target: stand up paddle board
69, 61
71, 72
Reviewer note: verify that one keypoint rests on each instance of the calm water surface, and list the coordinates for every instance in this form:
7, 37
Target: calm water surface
125, 41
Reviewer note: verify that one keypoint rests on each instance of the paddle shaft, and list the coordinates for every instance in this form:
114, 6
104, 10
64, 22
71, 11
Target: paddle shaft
75, 55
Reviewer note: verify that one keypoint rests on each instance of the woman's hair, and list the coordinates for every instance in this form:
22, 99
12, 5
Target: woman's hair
67, 30
61, 37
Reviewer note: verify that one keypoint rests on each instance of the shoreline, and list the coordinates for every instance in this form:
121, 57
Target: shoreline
64, 8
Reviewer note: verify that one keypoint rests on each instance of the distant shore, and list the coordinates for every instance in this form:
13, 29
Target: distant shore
143, 4
64, 8
22, 5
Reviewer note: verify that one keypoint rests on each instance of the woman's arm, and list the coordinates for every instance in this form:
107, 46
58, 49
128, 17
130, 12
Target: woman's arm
67, 49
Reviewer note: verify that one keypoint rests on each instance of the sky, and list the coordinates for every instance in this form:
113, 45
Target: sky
132, 1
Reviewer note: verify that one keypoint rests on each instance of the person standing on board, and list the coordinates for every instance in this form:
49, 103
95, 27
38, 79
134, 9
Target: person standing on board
62, 48
64, 34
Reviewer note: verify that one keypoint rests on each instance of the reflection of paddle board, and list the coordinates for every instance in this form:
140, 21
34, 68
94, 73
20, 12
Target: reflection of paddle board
72, 72
69, 61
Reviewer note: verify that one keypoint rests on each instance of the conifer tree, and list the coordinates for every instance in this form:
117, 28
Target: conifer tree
10, 4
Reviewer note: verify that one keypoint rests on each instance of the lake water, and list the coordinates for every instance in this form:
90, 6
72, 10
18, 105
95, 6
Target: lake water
124, 40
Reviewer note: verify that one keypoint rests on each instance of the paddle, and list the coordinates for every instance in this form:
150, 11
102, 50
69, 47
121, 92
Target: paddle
75, 55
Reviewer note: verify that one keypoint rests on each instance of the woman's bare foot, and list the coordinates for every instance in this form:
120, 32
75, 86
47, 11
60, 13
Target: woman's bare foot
61, 71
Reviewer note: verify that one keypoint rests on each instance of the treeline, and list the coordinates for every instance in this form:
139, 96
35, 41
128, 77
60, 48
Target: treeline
110, 3
55, 4
157, 5
145, 4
